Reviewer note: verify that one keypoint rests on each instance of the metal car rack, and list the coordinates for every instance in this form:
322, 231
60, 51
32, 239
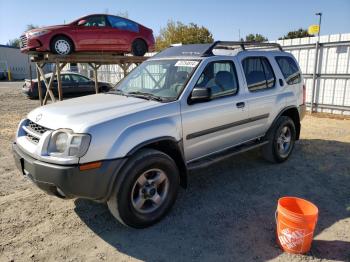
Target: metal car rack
94, 60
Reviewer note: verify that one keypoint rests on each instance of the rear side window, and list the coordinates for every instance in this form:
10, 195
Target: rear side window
123, 24
258, 73
289, 69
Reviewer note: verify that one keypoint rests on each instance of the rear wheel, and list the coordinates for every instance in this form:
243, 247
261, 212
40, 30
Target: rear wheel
281, 140
146, 189
139, 47
61, 45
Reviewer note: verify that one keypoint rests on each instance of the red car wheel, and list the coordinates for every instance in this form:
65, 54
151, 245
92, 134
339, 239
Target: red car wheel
139, 47
62, 45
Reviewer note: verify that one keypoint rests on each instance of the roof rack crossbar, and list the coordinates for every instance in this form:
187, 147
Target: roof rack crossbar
239, 44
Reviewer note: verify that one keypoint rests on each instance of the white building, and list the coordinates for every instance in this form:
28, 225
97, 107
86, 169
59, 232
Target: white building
11, 59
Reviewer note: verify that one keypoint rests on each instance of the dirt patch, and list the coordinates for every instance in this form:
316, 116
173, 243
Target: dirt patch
226, 214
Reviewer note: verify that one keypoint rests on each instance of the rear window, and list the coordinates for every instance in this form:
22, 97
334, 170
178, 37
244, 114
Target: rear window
289, 69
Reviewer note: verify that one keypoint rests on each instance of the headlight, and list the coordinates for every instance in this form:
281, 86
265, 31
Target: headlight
38, 33
65, 143
61, 142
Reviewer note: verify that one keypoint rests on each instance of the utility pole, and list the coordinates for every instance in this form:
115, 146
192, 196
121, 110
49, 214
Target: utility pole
316, 62
319, 24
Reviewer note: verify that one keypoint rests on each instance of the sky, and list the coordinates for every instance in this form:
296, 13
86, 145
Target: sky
224, 18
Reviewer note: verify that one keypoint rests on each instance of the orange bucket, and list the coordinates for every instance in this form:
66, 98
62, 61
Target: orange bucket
296, 219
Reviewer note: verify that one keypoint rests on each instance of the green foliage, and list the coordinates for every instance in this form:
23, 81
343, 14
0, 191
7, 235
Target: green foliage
296, 34
178, 32
14, 42
31, 26
255, 38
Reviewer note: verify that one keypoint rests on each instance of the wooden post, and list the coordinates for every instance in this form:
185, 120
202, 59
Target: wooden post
95, 68
59, 68
39, 84
59, 82
96, 80
48, 84
125, 68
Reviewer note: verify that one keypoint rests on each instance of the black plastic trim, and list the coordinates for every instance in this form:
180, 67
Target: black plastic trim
93, 184
223, 127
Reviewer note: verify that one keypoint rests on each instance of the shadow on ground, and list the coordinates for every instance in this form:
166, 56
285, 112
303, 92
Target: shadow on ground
227, 212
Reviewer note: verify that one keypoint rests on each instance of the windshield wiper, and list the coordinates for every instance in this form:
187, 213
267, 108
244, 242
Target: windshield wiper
147, 96
117, 92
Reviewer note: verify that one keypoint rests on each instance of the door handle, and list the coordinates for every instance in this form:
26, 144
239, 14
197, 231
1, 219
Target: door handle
240, 104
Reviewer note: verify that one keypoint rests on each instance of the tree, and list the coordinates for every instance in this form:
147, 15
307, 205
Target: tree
255, 38
300, 33
14, 42
180, 33
31, 26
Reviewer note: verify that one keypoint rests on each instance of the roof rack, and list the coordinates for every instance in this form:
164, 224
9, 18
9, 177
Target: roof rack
203, 50
232, 45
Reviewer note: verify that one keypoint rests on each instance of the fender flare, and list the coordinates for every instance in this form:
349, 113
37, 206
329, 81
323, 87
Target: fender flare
281, 113
182, 166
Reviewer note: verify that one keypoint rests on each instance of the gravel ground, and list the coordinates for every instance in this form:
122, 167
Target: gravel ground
226, 214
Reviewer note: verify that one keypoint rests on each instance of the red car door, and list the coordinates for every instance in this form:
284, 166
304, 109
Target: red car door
93, 34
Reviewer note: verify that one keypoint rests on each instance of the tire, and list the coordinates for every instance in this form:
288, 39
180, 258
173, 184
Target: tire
139, 47
277, 150
127, 202
62, 45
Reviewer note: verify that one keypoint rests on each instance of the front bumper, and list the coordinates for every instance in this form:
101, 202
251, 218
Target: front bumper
40, 44
69, 181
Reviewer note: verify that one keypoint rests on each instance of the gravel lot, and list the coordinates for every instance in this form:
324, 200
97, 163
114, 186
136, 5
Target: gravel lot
226, 214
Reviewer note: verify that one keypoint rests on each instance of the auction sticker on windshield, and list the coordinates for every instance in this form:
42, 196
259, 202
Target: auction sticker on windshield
186, 63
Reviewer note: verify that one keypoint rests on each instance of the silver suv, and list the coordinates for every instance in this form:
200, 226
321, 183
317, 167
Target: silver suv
184, 108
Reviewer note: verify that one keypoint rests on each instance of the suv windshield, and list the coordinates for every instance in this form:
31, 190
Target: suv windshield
163, 79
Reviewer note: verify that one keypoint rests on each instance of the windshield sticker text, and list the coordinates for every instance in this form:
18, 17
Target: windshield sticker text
186, 63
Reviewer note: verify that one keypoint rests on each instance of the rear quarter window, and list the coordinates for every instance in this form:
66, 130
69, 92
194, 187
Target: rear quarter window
289, 69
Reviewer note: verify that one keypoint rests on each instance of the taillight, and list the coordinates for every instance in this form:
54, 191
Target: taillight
304, 94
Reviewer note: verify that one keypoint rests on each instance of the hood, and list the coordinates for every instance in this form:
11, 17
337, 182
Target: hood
80, 113
52, 27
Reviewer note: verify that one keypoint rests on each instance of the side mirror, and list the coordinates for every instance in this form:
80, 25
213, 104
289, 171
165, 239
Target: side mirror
82, 22
200, 94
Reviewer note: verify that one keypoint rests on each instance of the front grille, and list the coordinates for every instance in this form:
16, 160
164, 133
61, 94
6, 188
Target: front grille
34, 131
23, 41
37, 128
32, 138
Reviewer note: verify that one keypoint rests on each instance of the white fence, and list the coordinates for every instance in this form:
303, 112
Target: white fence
332, 83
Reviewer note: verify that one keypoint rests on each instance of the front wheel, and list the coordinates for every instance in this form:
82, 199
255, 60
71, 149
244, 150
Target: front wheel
61, 45
146, 189
281, 140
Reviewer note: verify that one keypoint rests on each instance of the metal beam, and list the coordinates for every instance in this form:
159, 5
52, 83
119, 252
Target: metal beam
311, 46
332, 107
331, 76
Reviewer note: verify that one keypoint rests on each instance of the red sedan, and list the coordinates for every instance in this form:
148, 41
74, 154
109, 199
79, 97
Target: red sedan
97, 32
